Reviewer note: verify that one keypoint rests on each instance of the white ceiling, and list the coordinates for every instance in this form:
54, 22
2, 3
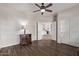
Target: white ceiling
57, 7
25, 9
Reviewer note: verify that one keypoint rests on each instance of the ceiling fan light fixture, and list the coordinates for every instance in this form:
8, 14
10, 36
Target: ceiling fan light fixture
42, 10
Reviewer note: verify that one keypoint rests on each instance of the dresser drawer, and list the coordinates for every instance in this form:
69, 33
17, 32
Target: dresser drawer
25, 39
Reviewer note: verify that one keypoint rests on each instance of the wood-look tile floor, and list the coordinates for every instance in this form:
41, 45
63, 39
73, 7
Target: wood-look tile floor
43, 48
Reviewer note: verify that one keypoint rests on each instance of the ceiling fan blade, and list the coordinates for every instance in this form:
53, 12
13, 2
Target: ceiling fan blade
37, 5
48, 10
41, 13
48, 5
36, 10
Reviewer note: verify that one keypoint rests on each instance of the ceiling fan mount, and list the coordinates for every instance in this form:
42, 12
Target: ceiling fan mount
43, 8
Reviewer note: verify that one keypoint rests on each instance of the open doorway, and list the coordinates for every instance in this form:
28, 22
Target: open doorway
44, 30
46, 33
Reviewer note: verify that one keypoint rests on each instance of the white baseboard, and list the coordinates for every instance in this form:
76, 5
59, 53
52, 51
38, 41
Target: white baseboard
8, 45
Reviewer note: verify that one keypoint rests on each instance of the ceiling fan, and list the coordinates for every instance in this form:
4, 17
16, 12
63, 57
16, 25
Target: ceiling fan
43, 8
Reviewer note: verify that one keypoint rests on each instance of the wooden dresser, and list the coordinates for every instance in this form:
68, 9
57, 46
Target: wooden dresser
25, 39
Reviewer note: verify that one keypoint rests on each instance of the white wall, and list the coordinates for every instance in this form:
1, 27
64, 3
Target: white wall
10, 25
68, 22
54, 30
9, 35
